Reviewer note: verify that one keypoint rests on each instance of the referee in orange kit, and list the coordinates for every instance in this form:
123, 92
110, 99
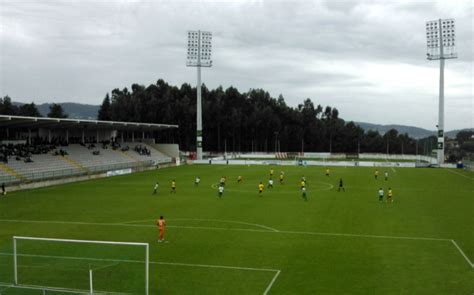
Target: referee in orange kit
161, 226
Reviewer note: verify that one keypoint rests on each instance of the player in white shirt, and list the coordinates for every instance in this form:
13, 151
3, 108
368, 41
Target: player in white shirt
270, 183
221, 191
381, 194
386, 175
197, 181
155, 188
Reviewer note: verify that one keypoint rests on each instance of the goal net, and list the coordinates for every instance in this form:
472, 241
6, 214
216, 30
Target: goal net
80, 266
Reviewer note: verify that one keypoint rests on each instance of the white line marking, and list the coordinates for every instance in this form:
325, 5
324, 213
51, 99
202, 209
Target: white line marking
105, 266
136, 221
218, 266
54, 289
6, 287
229, 221
228, 229
460, 174
217, 228
271, 283
361, 235
131, 225
393, 169
49, 267
140, 261
462, 253
248, 230
328, 188
211, 220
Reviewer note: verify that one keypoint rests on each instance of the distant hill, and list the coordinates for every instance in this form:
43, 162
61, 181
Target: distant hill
412, 131
453, 133
74, 110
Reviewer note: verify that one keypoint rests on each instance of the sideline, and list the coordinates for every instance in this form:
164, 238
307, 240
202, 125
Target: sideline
460, 174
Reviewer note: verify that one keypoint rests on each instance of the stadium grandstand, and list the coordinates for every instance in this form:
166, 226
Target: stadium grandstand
35, 149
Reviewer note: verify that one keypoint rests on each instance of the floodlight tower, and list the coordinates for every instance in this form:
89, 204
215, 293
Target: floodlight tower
199, 55
441, 45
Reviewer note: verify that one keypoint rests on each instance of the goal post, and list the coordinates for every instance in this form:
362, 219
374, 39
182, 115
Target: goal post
41, 248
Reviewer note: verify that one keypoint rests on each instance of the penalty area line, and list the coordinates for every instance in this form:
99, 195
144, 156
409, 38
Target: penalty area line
462, 253
271, 283
141, 261
207, 220
53, 289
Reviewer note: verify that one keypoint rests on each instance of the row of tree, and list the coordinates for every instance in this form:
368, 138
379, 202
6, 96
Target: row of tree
250, 121
28, 109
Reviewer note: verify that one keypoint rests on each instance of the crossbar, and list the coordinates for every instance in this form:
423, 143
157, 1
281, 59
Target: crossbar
79, 241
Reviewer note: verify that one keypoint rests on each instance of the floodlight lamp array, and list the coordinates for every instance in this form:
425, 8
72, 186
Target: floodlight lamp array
441, 33
199, 49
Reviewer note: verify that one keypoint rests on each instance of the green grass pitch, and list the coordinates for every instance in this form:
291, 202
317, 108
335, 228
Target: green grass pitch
335, 243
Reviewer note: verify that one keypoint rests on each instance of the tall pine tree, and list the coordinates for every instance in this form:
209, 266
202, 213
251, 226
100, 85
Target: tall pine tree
104, 111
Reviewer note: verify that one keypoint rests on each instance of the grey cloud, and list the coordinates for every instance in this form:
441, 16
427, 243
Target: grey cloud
59, 51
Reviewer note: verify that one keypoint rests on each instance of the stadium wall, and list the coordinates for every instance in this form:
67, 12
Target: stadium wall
59, 181
341, 156
304, 163
171, 150
372, 156
314, 163
469, 165
399, 157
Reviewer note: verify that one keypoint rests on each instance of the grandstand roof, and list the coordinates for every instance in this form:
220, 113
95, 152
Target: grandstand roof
42, 122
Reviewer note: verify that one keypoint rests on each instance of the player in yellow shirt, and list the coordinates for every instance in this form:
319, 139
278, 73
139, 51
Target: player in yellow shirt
327, 171
173, 186
271, 173
282, 176
390, 195
239, 179
376, 174
260, 188
302, 184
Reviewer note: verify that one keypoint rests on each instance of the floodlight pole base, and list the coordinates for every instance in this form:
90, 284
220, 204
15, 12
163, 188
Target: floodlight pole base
440, 147
199, 117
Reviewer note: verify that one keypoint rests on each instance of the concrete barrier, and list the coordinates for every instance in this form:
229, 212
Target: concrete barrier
59, 181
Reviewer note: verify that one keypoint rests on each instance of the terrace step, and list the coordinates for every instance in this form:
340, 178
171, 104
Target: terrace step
74, 163
133, 158
12, 172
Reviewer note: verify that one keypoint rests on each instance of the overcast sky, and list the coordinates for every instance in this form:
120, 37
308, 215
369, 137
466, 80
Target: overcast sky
366, 58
